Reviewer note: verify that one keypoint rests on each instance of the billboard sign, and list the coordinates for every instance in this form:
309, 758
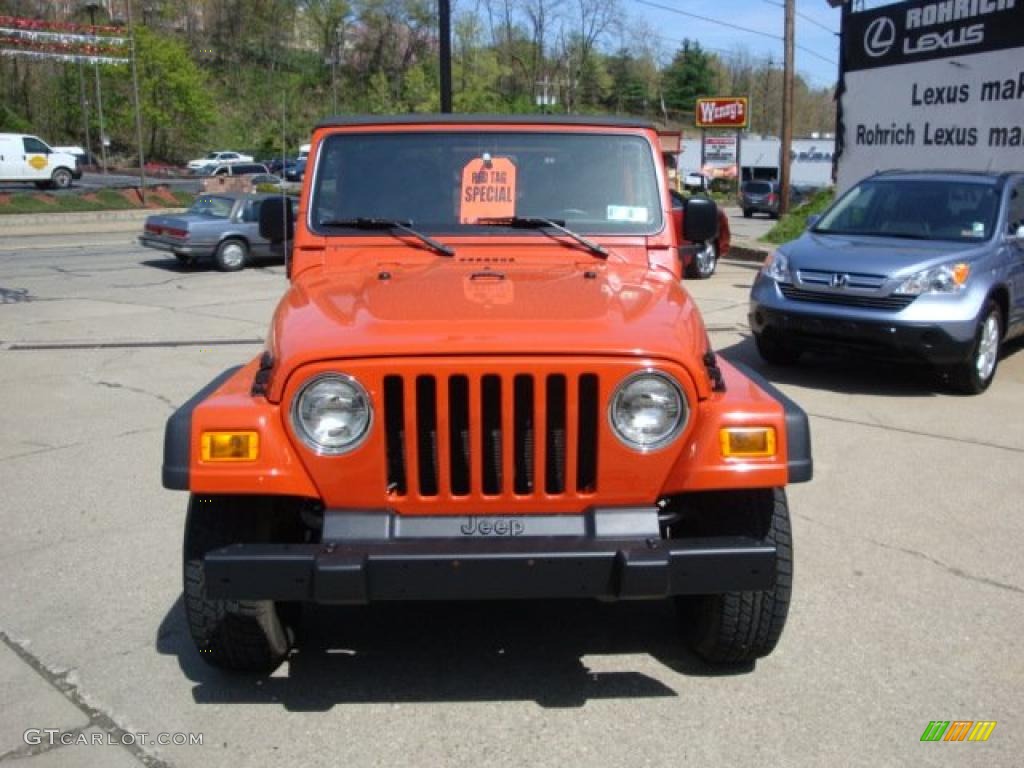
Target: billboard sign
932, 85
722, 112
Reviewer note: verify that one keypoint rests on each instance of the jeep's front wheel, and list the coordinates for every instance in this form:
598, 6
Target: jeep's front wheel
239, 635
738, 627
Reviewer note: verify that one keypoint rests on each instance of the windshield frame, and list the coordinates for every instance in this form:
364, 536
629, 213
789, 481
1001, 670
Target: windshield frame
992, 224
469, 231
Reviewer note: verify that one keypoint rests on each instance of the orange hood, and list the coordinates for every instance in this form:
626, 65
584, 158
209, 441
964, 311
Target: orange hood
486, 307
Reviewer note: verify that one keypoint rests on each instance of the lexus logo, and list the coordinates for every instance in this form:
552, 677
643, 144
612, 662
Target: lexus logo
839, 280
879, 37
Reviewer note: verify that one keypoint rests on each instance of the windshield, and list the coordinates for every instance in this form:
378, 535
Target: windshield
216, 207
212, 156
917, 209
757, 187
447, 181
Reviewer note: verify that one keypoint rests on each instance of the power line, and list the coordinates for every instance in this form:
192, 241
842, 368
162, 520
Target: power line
805, 17
722, 53
730, 25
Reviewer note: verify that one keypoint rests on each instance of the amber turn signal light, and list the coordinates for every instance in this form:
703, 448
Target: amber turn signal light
230, 446
747, 442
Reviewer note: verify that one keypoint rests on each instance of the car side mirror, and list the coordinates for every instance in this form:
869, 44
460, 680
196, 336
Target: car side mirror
813, 219
700, 220
276, 221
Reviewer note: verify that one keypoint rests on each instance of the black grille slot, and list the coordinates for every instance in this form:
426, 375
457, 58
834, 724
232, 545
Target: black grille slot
554, 468
426, 433
586, 442
458, 434
394, 433
524, 434
892, 302
490, 422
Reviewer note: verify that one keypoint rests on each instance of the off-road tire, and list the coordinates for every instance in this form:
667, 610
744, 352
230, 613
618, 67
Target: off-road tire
61, 178
776, 351
232, 255
238, 635
697, 271
965, 377
739, 627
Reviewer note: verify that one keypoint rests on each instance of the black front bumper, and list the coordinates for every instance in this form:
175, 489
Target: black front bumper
486, 569
926, 343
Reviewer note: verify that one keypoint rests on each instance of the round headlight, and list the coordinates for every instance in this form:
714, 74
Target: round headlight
648, 411
332, 414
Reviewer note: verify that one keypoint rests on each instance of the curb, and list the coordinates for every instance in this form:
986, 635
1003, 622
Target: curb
749, 251
36, 220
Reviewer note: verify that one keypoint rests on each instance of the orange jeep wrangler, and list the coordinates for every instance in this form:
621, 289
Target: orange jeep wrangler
485, 381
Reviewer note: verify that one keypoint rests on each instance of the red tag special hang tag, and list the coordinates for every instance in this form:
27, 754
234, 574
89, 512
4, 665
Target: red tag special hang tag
488, 189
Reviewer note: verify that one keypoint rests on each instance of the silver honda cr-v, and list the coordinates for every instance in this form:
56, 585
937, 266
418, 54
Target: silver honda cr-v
914, 265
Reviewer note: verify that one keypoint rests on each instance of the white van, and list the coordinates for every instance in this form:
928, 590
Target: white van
28, 158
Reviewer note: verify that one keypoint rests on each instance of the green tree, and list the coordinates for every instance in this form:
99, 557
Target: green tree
177, 108
689, 76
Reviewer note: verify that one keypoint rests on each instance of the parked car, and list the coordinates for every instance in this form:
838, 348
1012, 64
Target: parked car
280, 165
223, 226
30, 159
760, 197
219, 158
259, 179
238, 169
700, 259
297, 171
920, 266
696, 182
485, 381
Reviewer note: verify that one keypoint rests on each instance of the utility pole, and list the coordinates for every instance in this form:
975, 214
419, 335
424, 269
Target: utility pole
138, 106
91, 6
445, 50
85, 111
787, 108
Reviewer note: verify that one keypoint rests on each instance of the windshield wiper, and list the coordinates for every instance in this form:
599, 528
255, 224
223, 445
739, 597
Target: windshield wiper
388, 224
537, 222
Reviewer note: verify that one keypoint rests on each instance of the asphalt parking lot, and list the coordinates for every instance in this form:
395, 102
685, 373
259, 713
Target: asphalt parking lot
907, 604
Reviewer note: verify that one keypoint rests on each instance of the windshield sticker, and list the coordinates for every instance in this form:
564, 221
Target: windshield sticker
978, 229
488, 189
634, 213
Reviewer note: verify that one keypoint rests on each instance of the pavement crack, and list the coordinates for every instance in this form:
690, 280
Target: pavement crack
958, 572
918, 433
37, 451
136, 390
68, 688
951, 569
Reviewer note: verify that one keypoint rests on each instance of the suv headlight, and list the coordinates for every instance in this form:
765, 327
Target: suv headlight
648, 410
776, 267
949, 278
332, 414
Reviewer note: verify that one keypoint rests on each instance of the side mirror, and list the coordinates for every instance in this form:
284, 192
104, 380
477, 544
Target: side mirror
700, 220
813, 219
276, 221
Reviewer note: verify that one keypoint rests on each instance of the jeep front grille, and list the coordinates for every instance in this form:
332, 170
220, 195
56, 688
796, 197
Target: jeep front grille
520, 435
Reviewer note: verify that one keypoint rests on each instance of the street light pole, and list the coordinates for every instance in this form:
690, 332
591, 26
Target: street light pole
91, 6
138, 106
445, 51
